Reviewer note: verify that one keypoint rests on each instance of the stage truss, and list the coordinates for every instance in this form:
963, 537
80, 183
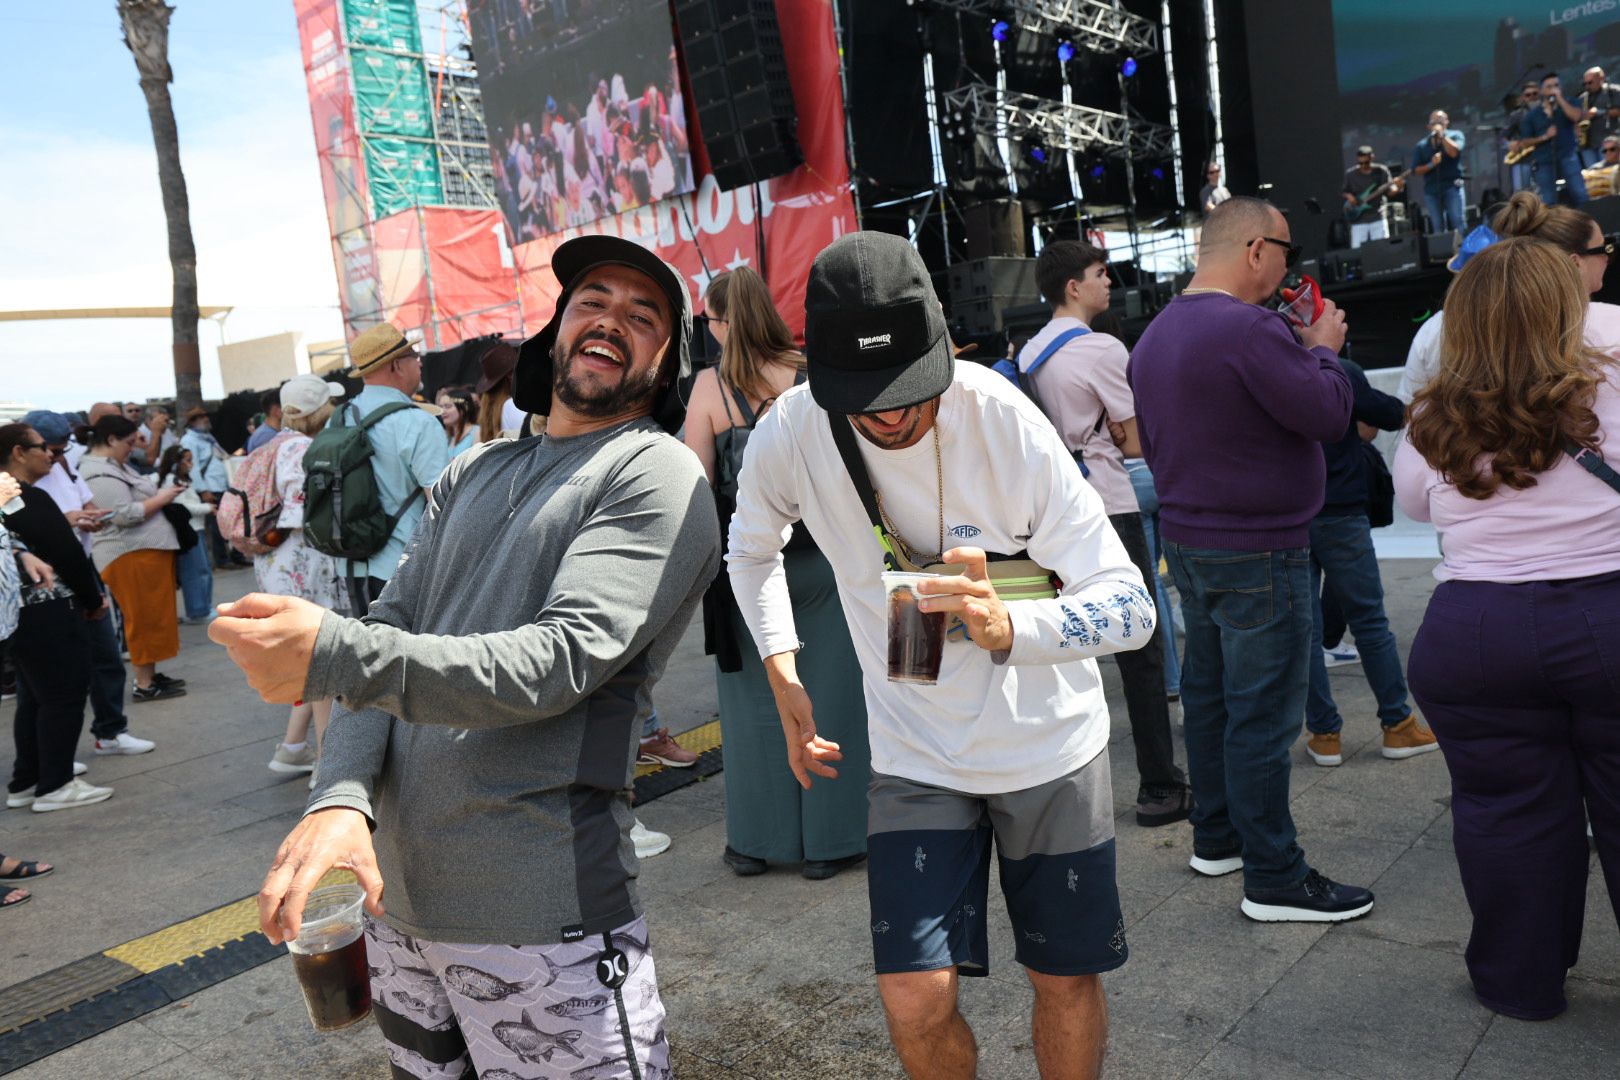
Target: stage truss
1057, 125
1092, 25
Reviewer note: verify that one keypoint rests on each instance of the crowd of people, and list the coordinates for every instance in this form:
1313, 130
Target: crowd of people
472, 739
566, 165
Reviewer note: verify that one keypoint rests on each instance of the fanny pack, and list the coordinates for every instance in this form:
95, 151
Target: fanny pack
1014, 577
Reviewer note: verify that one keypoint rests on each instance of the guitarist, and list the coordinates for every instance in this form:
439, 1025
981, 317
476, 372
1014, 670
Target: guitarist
1366, 189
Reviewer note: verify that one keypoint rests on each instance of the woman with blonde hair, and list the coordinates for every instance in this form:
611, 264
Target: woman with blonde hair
769, 818
293, 567
1514, 663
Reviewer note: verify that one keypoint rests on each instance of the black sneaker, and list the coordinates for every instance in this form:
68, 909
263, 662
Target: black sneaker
157, 692
1157, 806
743, 865
822, 869
1316, 899
160, 679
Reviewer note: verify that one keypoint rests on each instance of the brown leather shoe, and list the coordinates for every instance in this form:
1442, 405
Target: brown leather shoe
1324, 749
1406, 739
662, 749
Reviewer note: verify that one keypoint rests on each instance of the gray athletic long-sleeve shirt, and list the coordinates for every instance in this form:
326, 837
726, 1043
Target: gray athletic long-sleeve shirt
487, 703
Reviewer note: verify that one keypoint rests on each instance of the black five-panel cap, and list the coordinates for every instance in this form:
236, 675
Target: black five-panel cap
570, 262
874, 333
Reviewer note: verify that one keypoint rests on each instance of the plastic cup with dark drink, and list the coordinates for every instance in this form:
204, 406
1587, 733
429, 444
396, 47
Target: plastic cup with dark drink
916, 638
329, 956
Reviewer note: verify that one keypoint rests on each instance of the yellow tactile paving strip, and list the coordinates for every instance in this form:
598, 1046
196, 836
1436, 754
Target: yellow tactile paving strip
196, 936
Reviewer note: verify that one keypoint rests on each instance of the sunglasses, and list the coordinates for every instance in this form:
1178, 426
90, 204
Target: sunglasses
1291, 251
1611, 149
36, 446
1605, 249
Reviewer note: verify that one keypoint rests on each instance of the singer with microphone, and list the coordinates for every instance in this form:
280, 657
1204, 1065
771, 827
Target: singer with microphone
1556, 156
1438, 159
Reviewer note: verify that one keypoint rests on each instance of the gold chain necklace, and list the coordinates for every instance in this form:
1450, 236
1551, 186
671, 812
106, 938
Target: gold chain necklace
939, 476
1207, 289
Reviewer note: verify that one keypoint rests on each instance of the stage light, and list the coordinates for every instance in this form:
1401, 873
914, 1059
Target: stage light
1000, 30
1065, 51
1097, 172
1157, 173
1128, 68
1038, 154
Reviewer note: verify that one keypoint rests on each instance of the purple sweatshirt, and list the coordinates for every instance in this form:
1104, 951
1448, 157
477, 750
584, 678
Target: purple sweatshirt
1232, 412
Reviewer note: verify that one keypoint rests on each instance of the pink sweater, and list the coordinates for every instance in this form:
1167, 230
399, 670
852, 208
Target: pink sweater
1566, 526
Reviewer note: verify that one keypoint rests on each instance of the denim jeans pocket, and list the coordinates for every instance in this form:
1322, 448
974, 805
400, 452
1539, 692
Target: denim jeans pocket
1238, 589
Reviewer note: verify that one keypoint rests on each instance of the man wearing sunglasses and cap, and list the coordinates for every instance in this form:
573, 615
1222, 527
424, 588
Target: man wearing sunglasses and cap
1009, 747
485, 725
1233, 405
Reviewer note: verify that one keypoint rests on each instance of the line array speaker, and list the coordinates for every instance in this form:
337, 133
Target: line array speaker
740, 88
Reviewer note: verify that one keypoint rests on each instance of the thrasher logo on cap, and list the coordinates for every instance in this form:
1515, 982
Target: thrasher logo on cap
876, 341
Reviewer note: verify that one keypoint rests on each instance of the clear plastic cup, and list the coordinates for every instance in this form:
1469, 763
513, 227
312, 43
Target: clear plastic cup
329, 957
916, 638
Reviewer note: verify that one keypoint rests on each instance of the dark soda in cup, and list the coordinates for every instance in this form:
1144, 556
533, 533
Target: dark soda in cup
916, 637
329, 958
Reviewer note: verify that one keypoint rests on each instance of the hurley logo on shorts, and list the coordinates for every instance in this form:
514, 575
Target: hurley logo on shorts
876, 341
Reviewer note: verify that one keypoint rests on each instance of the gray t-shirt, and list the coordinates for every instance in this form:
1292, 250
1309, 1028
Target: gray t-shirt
487, 704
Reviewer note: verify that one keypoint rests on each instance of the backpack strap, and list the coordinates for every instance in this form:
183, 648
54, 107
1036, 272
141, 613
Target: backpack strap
1593, 462
381, 412
1026, 377
844, 438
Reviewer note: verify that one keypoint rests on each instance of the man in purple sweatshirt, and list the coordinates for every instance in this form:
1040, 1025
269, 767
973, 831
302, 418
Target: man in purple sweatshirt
1232, 405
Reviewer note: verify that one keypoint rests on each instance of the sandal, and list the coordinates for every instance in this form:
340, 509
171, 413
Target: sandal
25, 870
22, 897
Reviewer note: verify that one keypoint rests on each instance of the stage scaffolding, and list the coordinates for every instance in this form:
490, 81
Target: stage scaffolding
417, 145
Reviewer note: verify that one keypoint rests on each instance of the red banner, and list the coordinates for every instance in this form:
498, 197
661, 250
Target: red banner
451, 273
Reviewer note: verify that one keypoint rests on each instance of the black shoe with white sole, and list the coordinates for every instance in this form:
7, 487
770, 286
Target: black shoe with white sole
160, 679
156, 692
1316, 899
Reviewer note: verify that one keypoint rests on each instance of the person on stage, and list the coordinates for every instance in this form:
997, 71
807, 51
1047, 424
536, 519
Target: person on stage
1556, 156
1600, 101
1519, 176
1367, 188
1438, 159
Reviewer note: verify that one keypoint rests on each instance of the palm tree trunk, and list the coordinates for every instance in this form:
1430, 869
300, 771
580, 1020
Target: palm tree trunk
146, 32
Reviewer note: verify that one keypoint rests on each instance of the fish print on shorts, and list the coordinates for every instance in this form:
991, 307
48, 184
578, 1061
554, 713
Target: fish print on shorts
532, 1043
629, 944
498, 1074
411, 1002
482, 986
607, 1067
575, 1008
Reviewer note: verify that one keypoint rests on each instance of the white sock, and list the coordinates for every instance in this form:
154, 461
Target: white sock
293, 747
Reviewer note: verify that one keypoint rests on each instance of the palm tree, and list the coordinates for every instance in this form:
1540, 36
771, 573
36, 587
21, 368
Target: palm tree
146, 32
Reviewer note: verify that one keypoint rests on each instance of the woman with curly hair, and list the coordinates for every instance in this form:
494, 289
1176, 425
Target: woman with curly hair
1515, 663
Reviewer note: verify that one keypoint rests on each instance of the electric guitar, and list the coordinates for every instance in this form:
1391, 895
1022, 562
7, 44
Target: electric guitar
1354, 212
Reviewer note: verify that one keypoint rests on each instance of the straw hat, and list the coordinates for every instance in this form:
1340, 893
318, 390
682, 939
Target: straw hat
382, 344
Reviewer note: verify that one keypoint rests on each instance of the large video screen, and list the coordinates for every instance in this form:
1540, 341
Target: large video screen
1399, 59
583, 103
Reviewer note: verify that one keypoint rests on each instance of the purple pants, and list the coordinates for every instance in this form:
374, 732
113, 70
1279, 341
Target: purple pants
1521, 683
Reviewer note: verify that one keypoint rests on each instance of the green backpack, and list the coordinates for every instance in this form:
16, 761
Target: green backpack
343, 510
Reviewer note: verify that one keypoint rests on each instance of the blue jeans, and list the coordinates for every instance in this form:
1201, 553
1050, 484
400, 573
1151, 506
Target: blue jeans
1548, 172
1147, 500
196, 582
106, 679
1445, 209
1342, 555
1249, 622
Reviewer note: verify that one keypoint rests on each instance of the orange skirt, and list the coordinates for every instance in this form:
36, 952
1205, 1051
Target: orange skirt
143, 583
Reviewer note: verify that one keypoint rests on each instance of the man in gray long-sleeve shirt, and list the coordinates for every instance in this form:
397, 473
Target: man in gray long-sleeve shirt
486, 721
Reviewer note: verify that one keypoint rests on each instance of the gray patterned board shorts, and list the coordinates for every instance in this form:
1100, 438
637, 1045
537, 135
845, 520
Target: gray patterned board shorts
928, 876
518, 1012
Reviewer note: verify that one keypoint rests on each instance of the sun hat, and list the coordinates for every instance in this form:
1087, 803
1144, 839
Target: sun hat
379, 345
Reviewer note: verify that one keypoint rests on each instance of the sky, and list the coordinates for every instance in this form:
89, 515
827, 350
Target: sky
81, 219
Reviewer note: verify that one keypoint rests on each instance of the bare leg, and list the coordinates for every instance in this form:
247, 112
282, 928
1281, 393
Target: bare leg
143, 675
929, 1034
1071, 1025
298, 724
322, 715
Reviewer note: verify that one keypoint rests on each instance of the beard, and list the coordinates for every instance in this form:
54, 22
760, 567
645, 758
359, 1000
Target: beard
594, 394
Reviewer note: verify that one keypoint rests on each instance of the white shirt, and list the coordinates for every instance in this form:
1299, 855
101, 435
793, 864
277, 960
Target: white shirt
991, 724
69, 493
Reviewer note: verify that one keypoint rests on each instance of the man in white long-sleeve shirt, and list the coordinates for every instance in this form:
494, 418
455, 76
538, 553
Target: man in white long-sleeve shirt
1009, 745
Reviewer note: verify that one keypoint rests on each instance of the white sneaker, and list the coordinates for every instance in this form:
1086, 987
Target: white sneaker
648, 843
20, 800
73, 793
293, 761
80, 768
125, 743
1216, 867
1341, 654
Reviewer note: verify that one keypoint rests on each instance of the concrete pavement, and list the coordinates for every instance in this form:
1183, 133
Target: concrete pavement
771, 977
